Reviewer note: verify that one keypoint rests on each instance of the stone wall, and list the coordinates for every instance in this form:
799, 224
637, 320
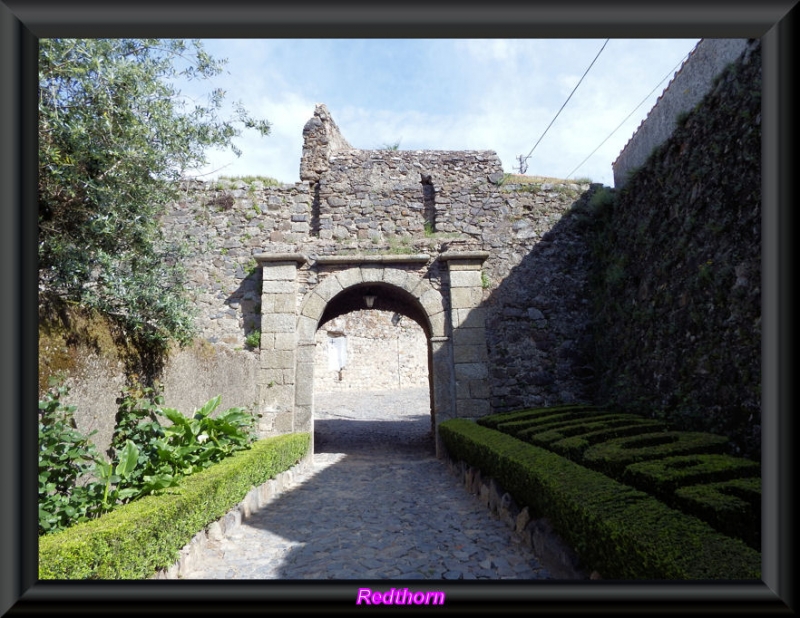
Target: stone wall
536, 334
677, 280
384, 350
687, 88
96, 364
573, 304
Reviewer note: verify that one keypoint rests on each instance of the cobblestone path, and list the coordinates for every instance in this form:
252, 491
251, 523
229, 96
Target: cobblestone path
376, 505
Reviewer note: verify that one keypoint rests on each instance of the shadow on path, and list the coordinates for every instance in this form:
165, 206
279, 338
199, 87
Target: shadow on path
378, 505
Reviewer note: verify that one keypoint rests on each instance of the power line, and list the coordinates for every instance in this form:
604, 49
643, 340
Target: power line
523, 166
629, 115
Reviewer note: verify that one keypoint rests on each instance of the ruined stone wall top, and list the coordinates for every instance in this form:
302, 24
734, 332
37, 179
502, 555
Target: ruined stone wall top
328, 157
321, 137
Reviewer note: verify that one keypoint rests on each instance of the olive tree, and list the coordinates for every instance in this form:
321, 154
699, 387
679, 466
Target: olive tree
115, 138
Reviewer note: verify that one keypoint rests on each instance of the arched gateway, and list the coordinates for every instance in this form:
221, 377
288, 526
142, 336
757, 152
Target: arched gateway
441, 293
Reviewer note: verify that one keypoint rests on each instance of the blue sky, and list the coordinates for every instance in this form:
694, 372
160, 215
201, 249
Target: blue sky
445, 94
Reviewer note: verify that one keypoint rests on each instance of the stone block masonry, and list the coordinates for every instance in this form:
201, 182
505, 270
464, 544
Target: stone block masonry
392, 205
470, 355
499, 272
507, 278
278, 342
383, 350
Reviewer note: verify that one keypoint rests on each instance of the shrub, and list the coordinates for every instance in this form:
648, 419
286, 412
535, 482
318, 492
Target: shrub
639, 451
77, 483
620, 531
614, 455
136, 540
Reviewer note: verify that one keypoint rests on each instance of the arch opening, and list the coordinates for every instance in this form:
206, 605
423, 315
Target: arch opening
402, 289
372, 371
385, 297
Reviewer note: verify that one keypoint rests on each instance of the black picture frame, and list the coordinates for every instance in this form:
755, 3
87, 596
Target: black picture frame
22, 22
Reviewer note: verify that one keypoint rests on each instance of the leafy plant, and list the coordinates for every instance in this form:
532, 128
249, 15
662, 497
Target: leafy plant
137, 422
66, 457
76, 483
109, 473
192, 444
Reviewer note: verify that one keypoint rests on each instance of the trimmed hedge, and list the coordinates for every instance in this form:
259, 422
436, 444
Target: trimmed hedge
137, 539
550, 433
612, 456
535, 413
733, 507
555, 421
723, 490
630, 453
573, 447
622, 532
664, 476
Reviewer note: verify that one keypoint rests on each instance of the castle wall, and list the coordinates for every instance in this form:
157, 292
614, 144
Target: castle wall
687, 88
678, 294
534, 332
556, 329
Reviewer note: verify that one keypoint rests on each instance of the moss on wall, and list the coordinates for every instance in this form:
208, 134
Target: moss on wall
68, 333
676, 276
96, 359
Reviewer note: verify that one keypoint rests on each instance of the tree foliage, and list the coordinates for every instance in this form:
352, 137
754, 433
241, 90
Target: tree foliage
115, 137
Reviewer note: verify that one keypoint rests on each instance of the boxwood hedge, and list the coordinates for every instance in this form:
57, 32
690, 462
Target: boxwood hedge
617, 530
141, 537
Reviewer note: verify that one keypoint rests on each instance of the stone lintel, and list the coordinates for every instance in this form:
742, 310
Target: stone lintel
417, 258
464, 259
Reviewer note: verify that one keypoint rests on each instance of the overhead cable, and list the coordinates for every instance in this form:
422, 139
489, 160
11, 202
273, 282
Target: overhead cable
629, 115
523, 166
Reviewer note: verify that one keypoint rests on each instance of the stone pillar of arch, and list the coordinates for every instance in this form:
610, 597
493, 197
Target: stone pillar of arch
468, 318
279, 350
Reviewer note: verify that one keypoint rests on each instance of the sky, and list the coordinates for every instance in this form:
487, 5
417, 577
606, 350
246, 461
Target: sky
555, 102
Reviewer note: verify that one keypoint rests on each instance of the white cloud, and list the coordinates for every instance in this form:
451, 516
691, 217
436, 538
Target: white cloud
447, 95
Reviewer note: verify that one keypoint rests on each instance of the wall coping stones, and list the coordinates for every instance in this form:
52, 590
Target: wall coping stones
281, 257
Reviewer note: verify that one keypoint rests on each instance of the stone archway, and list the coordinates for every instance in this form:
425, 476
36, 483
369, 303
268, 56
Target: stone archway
427, 308
297, 293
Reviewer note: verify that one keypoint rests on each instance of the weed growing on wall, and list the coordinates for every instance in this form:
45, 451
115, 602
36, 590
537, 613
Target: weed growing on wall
253, 340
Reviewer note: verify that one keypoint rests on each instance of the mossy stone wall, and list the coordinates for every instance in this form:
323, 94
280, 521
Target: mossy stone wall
677, 271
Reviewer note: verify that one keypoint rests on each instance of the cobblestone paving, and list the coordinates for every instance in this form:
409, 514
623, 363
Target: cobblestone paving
377, 504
